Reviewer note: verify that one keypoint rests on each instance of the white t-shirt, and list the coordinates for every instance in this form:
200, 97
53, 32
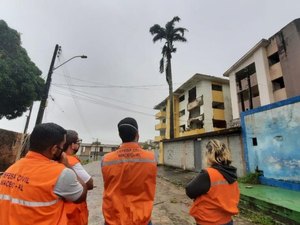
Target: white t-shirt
67, 186
81, 172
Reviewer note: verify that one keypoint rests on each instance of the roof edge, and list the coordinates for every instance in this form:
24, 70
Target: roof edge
261, 43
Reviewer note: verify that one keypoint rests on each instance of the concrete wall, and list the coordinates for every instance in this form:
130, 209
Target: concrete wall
182, 153
10, 145
179, 154
276, 129
288, 41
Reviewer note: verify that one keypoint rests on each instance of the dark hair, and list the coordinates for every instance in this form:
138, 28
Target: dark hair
46, 135
128, 129
71, 137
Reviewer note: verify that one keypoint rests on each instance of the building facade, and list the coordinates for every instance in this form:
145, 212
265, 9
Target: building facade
94, 151
267, 73
202, 104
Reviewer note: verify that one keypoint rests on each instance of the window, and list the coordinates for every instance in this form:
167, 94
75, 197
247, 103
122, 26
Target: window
245, 95
278, 84
216, 87
219, 123
181, 98
254, 141
164, 109
196, 124
273, 59
255, 91
192, 94
182, 113
218, 105
164, 121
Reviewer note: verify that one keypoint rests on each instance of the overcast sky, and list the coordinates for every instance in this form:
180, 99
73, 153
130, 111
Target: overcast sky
121, 76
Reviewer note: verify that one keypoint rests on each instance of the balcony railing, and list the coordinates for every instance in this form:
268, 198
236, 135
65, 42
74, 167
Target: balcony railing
160, 126
159, 138
160, 114
275, 71
198, 101
200, 118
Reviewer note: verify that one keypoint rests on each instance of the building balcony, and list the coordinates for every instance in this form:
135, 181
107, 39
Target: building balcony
191, 132
218, 114
159, 138
256, 102
193, 104
280, 94
160, 114
160, 126
200, 118
275, 71
217, 96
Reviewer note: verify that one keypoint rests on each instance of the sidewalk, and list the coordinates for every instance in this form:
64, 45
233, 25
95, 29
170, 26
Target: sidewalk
281, 204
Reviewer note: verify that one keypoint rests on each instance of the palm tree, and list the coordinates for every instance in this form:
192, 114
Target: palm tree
169, 34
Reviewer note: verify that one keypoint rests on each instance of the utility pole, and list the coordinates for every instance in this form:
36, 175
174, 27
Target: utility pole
28, 119
47, 87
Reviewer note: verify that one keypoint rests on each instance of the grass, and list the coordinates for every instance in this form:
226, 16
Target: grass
258, 218
250, 178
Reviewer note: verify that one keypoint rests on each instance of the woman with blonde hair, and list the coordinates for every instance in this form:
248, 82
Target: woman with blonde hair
215, 190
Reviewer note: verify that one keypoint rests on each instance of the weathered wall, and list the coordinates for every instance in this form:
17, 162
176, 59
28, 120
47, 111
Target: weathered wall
190, 153
288, 40
271, 138
179, 154
10, 144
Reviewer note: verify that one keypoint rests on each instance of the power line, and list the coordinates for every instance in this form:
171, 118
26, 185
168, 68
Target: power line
87, 97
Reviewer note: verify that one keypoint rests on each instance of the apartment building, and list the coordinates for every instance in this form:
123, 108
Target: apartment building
267, 73
202, 104
92, 151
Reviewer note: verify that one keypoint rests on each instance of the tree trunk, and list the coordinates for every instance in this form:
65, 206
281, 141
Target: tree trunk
170, 82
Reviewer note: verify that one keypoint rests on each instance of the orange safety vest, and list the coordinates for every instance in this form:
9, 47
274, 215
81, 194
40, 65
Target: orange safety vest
219, 203
129, 176
27, 192
77, 213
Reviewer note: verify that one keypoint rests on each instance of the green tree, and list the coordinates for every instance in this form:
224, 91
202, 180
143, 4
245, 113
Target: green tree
20, 81
169, 34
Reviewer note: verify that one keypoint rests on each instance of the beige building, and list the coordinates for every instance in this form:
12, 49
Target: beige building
267, 73
94, 151
202, 104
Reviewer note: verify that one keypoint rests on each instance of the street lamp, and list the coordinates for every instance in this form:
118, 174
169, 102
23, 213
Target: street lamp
48, 83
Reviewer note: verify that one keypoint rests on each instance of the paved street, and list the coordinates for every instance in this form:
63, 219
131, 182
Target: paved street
170, 208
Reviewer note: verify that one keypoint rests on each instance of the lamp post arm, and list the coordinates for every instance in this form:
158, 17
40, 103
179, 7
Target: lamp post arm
48, 83
77, 56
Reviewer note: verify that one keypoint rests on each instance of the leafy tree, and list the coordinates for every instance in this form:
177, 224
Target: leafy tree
20, 81
169, 34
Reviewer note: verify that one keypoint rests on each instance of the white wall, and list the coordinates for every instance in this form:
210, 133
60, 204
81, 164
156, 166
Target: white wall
205, 89
263, 77
179, 154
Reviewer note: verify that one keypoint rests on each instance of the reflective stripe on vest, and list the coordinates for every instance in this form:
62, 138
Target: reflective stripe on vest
27, 203
220, 182
119, 161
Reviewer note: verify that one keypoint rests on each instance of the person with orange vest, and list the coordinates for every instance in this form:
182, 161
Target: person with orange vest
33, 190
77, 214
215, 190
129, 176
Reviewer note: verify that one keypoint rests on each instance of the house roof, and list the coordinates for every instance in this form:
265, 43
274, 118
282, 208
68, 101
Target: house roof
261, 43
194, 79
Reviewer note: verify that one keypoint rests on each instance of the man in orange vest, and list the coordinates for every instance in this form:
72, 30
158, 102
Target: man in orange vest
215, 190
129, 176
77, 214
33, 190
